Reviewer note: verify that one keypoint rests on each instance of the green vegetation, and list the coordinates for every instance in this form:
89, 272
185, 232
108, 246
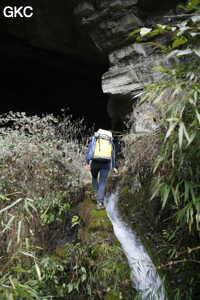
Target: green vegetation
40, 181
174, 164
177, 165
46, 250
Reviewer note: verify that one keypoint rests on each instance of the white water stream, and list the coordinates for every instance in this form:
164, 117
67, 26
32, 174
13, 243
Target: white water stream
144, 275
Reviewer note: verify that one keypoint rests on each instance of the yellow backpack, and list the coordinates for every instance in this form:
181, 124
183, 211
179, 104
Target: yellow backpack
103, 145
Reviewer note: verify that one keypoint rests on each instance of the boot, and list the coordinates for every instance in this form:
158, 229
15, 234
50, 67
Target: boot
100, 206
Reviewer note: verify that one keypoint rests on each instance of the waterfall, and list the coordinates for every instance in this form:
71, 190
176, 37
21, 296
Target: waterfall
145, 278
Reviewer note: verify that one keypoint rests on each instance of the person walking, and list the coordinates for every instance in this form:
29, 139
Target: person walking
100, 165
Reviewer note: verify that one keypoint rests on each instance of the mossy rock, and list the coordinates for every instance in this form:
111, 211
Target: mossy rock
99, 220
112, 296
61, 251
88, 197
128, 294
92, 218
104, 251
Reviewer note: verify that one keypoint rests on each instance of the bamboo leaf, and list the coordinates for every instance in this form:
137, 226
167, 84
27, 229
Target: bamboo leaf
154, 194
185, 132
171, 128
198, 115
8, 224
31, 292
83, 269
173, 119
180, 41
9, 245
144, 30
22, 291
175, 196
191, 138
191, 4
27, 244
197, 51
12, 282
192, 101
26, 206
160, 26
19, 269
28, 203
195, 18
184, 52
158, 161
38, 270
186, 192
3, 197
172, 53
196, 96
192, 194
30, 200
83, 277
27, 254
19, 230
194, 33
160, 68
70, 287
165, 194
183, 29
180, 134
11, 205
134, 32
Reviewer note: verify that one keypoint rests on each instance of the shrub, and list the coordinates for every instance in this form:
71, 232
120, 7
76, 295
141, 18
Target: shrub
41, 173
177, 97
176, 169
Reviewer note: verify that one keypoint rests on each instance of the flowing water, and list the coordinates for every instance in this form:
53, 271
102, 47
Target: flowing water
144, 275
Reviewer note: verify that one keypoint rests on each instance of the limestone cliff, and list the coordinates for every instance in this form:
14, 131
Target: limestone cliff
83, 39
109, 24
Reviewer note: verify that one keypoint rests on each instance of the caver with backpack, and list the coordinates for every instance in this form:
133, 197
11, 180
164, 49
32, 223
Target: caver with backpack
100, 159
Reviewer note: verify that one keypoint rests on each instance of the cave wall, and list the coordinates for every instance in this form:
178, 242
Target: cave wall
131, 64
77, 55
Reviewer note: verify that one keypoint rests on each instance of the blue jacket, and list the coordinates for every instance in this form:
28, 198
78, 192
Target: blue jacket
90, 152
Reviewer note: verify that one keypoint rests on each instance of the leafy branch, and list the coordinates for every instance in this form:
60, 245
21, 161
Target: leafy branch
176, 167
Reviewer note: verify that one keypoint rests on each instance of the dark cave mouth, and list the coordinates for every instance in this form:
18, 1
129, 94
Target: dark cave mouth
48, 86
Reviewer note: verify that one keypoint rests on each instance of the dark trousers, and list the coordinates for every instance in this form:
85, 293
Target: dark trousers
102, 169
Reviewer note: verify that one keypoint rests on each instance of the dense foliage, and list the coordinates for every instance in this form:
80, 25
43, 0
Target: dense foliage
175, 147
40, 180
178, 98
43, 255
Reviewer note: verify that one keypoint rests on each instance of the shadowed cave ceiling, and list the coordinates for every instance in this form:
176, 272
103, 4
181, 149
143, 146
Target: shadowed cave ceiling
56, 59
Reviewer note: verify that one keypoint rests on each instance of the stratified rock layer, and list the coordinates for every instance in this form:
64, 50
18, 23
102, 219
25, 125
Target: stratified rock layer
67, 34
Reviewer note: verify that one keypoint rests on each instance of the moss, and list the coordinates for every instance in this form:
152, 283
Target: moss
112, 296
61, 251
88, 200
100, 213
94, 219
104, 252
88, 197
127, 292
110, 269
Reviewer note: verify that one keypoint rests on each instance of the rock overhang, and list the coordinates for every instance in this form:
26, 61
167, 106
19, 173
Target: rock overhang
88, 37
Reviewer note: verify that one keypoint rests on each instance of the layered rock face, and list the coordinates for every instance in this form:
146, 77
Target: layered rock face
93, 33
109, 24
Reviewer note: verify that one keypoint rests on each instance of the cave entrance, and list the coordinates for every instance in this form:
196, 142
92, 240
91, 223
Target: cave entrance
48, 84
